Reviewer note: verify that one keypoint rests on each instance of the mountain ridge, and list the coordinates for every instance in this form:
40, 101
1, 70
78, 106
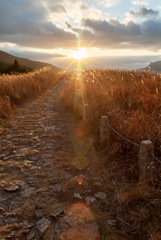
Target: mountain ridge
153, 67
6, 60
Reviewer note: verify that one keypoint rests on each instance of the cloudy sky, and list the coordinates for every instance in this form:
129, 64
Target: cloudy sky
50, 30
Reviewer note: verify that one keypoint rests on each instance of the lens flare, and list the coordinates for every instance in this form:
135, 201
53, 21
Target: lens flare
80, 162
79, 181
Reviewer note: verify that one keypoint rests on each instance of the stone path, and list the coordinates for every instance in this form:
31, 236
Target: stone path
47, 188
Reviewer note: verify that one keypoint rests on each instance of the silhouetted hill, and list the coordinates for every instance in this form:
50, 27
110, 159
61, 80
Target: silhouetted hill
155, 66
152, 67
7, 60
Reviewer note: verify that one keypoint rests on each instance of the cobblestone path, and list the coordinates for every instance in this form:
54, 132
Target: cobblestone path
45, 193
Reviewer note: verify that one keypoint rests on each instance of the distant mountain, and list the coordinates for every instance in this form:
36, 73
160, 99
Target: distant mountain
152, 67
155, 66
6, 60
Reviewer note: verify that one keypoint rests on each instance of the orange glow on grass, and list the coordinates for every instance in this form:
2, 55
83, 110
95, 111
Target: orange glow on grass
83, 226
80, 211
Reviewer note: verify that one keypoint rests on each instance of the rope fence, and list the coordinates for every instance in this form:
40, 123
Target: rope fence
126, 139
133, 143
146, 148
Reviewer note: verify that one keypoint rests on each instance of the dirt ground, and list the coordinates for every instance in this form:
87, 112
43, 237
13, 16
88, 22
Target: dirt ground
51, 186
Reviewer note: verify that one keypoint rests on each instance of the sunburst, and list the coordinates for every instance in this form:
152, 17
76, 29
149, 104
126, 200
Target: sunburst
80, 53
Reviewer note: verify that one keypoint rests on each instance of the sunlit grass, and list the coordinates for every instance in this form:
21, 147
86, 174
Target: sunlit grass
130, 99
15, 89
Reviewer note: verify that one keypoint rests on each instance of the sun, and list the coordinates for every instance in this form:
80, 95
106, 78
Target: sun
79, 54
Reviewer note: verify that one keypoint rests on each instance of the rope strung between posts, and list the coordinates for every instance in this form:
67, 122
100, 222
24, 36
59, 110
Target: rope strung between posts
155, 158
136, 144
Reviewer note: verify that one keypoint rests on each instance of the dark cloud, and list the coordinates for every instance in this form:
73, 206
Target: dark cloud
144, 12
26, 23
85, 35
113, 34
57, 55
68, 25
55, 6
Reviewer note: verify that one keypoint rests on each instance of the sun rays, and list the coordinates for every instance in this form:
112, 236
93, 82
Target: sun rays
79, 54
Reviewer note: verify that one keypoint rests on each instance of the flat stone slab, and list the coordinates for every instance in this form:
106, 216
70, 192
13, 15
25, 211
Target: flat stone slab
56, 188
100, 195
59, 212
21, 184
42, 225
31, 235
90, 200
111, 222
11, 187
77, 195
39, 213
60, 226
27, 192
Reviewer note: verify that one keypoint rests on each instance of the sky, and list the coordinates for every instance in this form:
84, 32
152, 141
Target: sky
115, 33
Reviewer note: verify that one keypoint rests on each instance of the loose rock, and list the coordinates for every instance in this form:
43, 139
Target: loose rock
1, 209
56, 188
27, 192
100, 195
12, 187
57, 213
97, 184
39, 213
21, 184
77, 195
10, 235
42, 225
90, 200
60, 226
31, 235
111, 222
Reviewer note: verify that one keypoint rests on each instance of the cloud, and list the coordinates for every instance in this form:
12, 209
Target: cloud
140, 3
114, 34
43, 23
55, 6
68, 25
29, 23
144, 12
31, 26
107, 3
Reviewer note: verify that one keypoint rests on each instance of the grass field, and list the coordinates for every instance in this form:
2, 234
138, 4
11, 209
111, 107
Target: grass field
132, 101
16, 89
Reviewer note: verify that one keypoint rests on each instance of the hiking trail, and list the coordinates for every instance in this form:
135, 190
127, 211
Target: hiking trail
50, 187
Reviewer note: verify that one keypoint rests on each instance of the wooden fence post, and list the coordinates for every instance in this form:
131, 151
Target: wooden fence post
104, 131
8, 99
85, 112
145, 158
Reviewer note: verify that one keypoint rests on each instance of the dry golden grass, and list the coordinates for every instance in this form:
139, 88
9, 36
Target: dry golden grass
132, 101
15, 89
